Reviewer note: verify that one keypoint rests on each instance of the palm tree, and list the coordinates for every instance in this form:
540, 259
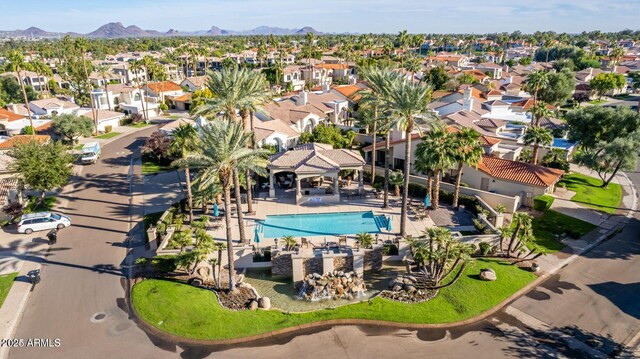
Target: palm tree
16, 64
521, 232
138, 66
379, 82
467, 152
103, 71
396, 178
537, 136
536, 81
408, 102
222, 147
183, 142
81, 45
436, 152
617, 53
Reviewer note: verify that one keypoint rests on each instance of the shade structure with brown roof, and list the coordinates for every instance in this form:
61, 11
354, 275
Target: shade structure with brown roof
314, 160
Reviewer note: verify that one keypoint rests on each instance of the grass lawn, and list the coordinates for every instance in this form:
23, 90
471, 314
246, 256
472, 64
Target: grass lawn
78, 147
589, 192
107, 136
190, 312
46, 206
149, 167
597, 102
6, 281
150, 219
551, 223
139, 125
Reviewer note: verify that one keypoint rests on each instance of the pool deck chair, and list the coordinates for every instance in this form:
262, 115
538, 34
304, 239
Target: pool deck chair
305, 243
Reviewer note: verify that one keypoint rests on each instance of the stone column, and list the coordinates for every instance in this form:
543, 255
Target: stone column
336, 187
298, 187
327, 263
297, 262
358, 261
360, 181
272, 186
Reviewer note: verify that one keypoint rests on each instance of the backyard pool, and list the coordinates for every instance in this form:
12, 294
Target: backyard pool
322, 224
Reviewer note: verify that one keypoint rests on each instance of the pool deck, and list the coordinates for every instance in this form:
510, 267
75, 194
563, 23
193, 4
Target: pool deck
284, 203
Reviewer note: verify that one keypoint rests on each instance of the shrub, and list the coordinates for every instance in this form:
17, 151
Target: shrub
500, 208
390, 250
164, 107
257, 257
542, 203
161, 228
165, 263
267, 256
108, 129
13, 209
485, 248
479, 225
417, 190
28, 130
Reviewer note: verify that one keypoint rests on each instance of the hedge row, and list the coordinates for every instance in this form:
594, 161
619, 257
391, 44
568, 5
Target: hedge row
542, 203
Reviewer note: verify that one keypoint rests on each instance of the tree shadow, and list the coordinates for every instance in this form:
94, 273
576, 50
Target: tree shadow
618, 294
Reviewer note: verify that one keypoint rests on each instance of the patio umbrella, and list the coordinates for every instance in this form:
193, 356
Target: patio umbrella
427, 201
216, 211
389, 224
256, 237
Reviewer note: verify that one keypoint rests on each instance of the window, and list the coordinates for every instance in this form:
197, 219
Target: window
103, 100
116, 101
136, 97
288, 77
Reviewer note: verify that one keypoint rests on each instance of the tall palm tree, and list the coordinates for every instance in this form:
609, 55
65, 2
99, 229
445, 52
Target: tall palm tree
407, 103
16, 64
222, 147
537, 136
137, 66
235, 88
81, 45
536, 81
103, 71
183, 142
436, 152
379, 82
468, 152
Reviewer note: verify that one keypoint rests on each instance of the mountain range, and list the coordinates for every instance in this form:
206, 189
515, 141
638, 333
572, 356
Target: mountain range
117, 30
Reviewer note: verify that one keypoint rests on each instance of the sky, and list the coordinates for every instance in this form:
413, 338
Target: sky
362, 16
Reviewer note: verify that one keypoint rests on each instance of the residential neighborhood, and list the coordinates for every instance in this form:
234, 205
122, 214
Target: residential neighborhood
286, 192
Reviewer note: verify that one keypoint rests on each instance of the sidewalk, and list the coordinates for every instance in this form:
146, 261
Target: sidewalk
607, 225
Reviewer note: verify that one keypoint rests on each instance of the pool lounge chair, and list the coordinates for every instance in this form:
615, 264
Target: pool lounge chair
305, 243
342, 240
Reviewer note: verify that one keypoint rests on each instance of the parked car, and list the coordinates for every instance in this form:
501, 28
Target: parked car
90, 152
42, 221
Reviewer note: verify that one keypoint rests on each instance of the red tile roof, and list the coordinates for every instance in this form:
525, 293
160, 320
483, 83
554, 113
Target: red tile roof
348, 90
20, 139
521, 172
164, 86
6, 114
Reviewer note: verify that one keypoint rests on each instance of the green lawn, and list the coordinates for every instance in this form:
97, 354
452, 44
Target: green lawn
6, 281
552, 223
107, 136
139, 125
589, 192
78, 147
149, 220
149, 167
46, 206
190, 312
597, 102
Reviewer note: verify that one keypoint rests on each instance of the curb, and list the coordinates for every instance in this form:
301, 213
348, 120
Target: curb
341, 322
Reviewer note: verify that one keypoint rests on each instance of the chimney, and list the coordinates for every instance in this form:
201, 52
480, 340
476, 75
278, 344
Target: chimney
510, 79
352, 80
13, 108
325, 88
467, 93
302, 98
614, 69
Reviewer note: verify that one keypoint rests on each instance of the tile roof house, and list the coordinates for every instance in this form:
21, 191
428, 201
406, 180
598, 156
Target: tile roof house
276, 133
52, 106
163, 89
194, 82
511, 178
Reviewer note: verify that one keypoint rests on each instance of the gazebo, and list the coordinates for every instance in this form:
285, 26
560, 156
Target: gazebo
309, 166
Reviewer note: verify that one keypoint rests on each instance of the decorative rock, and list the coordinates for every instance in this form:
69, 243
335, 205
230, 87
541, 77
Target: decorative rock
397, 287
410, 288
332, 285
264, 303
488, 274
253, 305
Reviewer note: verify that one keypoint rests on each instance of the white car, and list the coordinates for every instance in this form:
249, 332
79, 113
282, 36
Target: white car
42, 221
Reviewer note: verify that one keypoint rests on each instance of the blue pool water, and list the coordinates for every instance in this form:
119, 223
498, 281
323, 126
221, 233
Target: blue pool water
321, 224
562, 143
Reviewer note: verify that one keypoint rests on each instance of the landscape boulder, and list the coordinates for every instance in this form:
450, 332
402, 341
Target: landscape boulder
264, 303
488, 274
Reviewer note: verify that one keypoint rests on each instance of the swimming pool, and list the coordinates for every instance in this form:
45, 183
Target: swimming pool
321, 224
562, 143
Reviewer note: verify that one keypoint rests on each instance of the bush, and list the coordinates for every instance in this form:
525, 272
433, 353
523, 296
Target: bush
108, 129
267, 256
165, 263
479, 225
417, 190
390, 250
28, 130
542, 203
164, 107
485, 248
161, 228
13, 209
